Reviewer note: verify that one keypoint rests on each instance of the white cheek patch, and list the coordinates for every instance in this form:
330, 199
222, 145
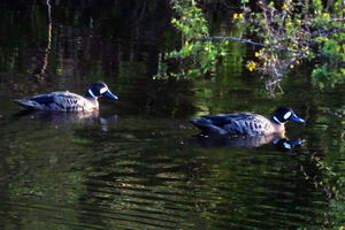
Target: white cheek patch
103, 90
287, 115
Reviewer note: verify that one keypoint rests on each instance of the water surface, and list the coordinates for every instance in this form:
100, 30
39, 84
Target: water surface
139, 164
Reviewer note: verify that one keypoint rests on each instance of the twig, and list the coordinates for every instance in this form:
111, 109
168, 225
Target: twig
337, 20
224, 38
326, 32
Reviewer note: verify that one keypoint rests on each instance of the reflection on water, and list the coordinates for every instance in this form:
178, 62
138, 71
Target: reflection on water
146, 179
61, 118
148, 171
57, 117
279, 141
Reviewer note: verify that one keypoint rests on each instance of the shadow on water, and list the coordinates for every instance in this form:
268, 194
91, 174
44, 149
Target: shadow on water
137, 164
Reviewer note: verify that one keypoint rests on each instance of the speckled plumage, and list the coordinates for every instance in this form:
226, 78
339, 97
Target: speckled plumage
60, 101
250, 124
66, 101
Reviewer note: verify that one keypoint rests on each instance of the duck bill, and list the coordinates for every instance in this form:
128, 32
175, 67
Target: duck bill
111, 95
296, 119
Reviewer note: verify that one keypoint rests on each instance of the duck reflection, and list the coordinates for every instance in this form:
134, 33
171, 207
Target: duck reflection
285, 144
68, 118
279, 141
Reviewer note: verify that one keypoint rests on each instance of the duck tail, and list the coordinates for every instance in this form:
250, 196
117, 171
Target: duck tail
29, 104
206, 126
195, 122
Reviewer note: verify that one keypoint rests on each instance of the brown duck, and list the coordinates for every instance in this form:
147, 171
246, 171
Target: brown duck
66, 101
249, 124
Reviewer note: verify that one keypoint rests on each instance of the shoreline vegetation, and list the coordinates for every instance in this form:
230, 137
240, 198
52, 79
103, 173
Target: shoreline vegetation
286, 35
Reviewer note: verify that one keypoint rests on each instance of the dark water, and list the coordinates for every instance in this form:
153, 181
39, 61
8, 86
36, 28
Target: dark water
139, 164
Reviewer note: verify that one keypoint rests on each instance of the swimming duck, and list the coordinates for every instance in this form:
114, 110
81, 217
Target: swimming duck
249, 124
66, 101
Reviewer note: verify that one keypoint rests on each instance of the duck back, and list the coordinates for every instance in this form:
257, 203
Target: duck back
236, 124
59, 101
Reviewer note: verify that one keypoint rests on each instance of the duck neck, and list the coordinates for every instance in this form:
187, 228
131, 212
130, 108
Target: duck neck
279, 126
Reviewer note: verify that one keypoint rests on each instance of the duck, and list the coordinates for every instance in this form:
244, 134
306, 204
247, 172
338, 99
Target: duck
247, 124
65, 101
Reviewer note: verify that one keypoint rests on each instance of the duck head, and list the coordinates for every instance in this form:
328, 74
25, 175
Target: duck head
284, 114
99, 89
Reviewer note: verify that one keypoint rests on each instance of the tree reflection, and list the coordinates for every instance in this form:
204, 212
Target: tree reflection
40, 69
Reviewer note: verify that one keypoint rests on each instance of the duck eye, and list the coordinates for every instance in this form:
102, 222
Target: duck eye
287, 115
103, 90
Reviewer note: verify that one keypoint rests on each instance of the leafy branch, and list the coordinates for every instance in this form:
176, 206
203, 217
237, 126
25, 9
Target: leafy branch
308, 28
287, 35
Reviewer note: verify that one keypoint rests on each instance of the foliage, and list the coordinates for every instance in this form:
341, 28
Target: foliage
296, 32
196, 55
288, 34
333, 184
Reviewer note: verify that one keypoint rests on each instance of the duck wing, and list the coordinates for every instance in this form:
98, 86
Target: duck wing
218, 124
233, 123
55, 101
240, 123
36, 102
248, 124
67, 101
224, 119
